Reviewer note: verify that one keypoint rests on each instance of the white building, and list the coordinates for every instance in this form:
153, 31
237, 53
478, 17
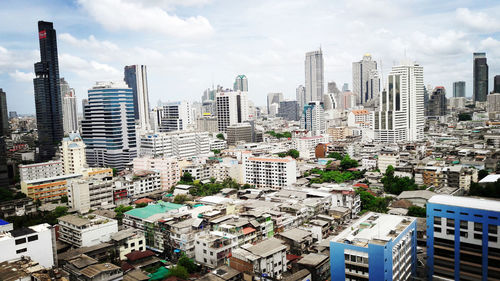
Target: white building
68, 99
387, 158
167, 166
271, 172
300, 93
41, 170
128, 240
213, 248
365, 79
313, 118
73, 154
173, 116
307, 145
266, 257
401, 112
35, 242
174, 144
218, 144
93, 191
314, 76
139, 182
231, 108
85, 231
207, 123
136, 79
360, 118
274, 98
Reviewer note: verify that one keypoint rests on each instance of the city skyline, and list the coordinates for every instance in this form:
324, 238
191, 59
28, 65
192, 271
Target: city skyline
183, 59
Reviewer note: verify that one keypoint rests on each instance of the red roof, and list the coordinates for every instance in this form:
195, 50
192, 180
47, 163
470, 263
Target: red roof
292, 258
361, 185
247, 230
137, 255
143, 200
126, 266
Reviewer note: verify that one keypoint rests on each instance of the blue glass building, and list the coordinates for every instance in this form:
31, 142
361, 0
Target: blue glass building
462, 238
375, 247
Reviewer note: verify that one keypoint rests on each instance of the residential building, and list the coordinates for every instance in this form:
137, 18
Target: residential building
173, 116
313, 118
347, 100
17, 207
375, 247
136, 79
214, 248
85, 231
110, 142
239, 132
167, 166
207, 124
266, 257
314, 76
273, 98
47, 189
437, 102
174, 144
301, 97
139, 183
127, 241
49, 115
494, 106
346, 197
289, 110
85, 268
298, 240
463, 238
41, 170
93, 191
35, 242
400, 116
72, 153
70, 120
457, 103
307, 145
387, 158
240, 83
318, 265
365, 79
270, 172
361, 118
480, 77
232, 108
459, 89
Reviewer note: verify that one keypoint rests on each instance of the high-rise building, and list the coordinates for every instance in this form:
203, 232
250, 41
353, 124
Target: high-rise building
111, 142
400, 116
496, 84
239, 132
73, 154
4, 119
136, 79
232, 108
459, 89
270, 172
313, 118
314, 76
463, 238
173, 116
365, 79
480, 73
375, 247
241, 83
4, 134
273, 98
48, 106
437, 102
301, 96
345, 87
289, 110
70, 119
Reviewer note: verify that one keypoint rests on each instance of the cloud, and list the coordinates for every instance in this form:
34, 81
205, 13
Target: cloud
133, 16
90, 43
87, 70
20, 76
447, 43
19, 59
477, 21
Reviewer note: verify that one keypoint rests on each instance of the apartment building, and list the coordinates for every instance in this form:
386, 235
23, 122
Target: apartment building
93, 191
387, 158
307, 145
360, 118
139, 182
178, 144
85, 231
43, 170
47, 189
271, 172
127, 241
375, 247
167, 166
463, 238
73, 154
214, 248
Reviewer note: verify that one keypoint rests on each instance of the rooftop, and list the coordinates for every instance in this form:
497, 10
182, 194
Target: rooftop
88, 220
490, 178
267, 247
312, 259
466, 202
93, 270
296, 234
153, 209
425, 194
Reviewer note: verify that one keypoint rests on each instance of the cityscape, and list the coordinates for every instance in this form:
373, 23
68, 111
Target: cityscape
162, 163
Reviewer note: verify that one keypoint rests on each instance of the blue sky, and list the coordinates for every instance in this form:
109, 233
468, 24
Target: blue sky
190, 44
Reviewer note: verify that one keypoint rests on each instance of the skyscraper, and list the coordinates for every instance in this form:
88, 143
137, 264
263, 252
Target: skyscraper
173, 116
365, 79
289, 110
313, 118
301, 96
400, 116
4, 134
459, 89
70, 119
49, 116
136, 79
480, 73
496, 84
231, 108
273, 98
437, 102
4, 118
241, 83
314, 76
111, 141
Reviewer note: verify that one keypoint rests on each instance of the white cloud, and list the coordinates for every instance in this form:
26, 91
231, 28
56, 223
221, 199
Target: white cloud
447, 43
19, 59
89, 71
477, 21
90, 43
133, 16
20, 76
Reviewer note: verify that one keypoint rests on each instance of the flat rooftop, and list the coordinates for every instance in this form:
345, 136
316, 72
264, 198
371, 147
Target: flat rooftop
153, 209
373, 228
466, 202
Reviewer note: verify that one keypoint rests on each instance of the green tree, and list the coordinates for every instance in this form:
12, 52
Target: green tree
347, 163
188, 264
372, 203
180, 198
482, 174
179, 271
416, 211
294, 153
491, 190
115, 172
335, 155
216, 151
464, 117
187, 178
141, 205
60, 211
64, 199
220, 136
396, 185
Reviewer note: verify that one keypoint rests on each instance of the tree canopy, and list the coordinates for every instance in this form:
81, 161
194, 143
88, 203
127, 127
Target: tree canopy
396, 185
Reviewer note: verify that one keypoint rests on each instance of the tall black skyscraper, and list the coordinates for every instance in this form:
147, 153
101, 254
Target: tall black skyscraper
4, 134
4, 118
480, 85
496, 84
48, 93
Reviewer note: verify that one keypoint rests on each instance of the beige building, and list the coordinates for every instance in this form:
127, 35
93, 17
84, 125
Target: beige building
73, 154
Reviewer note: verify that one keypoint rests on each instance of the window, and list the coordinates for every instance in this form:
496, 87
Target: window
20, 241
464, 234
450, 222
211, 253
204, 251
450, 212
33, 238
464, 214
478, 236
140, 242
492, 239
132, 244
477, 215
464, 224
450, 232
21, 250
140, 248
437, 229
492, 229
437, 220
478, 226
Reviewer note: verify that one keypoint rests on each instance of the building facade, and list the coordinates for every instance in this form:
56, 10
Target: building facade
314, 76
313, 118
178, 144
459, 89
173, 116
480, 77
437, 102
136, 79
167, 166
239, 132
270, 172
289, 110
72, 152
231, 108
365, 79
240, 83
70, 119
41, 170
86, 231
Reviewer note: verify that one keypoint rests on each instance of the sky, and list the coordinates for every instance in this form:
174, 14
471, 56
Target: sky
190, 45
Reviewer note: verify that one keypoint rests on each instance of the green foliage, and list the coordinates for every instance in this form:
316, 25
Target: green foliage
120, 210
180, 198
464, 117
292, 152
216, 151
335, 155
396, 185
491, 190
141, 205
247, 186
186, 178
372, 203
482, 174
220, 136
41, 217
6, 194
416, 211
64, 199
347, 163
188, 264
212, 188
334, 176
280, 135
60, 211
115, 172
179, 271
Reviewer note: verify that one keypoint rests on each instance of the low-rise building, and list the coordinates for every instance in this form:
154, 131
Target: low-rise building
93, 191
47, 189
297, 239
43, 170
387, 158
212, 249
84, 268
318, 265
139, 182
89, 230
127, 241
17, 207
167, 166
270, 172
